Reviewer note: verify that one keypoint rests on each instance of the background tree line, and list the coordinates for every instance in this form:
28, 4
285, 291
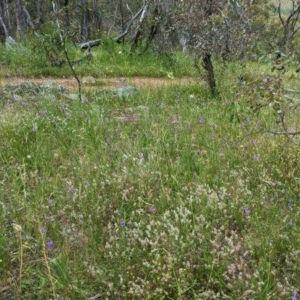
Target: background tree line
226, 26
229, 29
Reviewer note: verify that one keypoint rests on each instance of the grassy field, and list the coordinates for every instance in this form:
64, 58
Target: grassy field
163, 194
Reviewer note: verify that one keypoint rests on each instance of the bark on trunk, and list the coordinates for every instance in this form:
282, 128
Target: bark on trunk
138, 31
208, 66
3, 29
67, 16
85, 21
21, 19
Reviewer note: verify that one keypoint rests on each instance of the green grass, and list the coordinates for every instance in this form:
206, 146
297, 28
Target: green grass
166, 194
109, 59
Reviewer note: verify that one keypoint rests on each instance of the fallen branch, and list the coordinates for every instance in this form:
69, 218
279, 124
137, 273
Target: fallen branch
90, 44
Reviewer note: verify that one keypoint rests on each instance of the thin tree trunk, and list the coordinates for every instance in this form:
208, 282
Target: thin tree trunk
153, 28
138, 31
122, 16
3, 29
206, 57
85, 21
21, 19
66, 14
208, 66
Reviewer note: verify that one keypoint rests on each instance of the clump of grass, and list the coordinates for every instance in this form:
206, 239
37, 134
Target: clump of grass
160, 194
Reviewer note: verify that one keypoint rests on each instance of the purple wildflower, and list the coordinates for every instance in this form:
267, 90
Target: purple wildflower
122, 223
201, 120
247, 211
84, 99
252, 141
289, 205
50, 245
71, 189
86, 183
151, 210
295, 295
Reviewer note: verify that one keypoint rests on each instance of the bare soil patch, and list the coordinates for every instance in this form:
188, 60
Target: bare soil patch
102, 83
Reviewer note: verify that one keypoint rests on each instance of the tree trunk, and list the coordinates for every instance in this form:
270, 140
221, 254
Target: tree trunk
208, 66
66, 14
85, 21
21, 19
138, 32
3, 29
122, 17
153, 28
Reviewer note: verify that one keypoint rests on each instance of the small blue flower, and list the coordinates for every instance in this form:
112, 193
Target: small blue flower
122, 223
50, 245
247, 211
84, 99
201, 120
151, 210
295, 295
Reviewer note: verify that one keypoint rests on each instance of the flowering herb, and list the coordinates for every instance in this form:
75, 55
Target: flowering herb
84, 99
50, 245
201, 120
151, 210
71, 189
247, 211
295, 295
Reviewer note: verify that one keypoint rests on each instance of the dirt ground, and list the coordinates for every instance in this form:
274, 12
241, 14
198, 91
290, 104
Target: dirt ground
101, 83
